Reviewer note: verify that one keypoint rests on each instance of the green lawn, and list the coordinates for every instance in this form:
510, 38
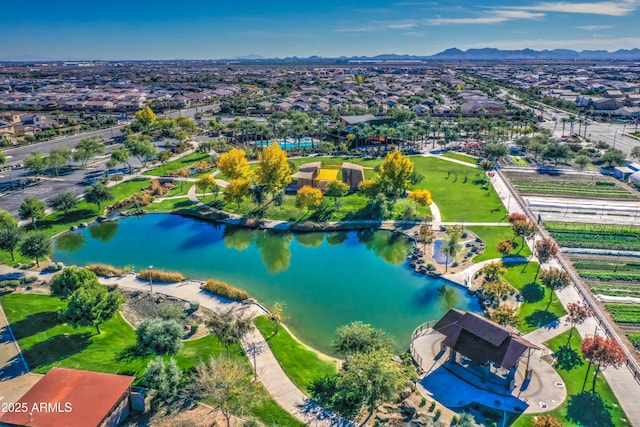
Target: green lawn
461, 157
351, 209
182, 162
170, 205
586, 410
180, 189
47, 343
494, 235
301, 365
462, 193
57, 222
535, 311
519, 161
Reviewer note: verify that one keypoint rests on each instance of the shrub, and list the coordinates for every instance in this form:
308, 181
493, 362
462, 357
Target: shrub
225, 290
25, 280
159, 336
156, 189
170, 311
423, 401
432, 406
160, 276
194, 328
9, 283
105, 270
194, 306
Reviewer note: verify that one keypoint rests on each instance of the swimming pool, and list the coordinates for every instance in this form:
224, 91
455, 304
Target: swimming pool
288, 143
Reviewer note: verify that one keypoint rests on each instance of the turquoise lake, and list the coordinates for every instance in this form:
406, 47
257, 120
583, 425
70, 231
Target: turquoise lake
325, 279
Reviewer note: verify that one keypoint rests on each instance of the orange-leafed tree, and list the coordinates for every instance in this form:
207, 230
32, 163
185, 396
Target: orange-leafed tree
602, 352
577, 313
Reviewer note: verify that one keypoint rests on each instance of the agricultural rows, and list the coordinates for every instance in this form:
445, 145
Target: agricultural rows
599, 189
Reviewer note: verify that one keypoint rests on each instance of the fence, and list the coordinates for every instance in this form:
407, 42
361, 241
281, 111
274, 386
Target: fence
603, 323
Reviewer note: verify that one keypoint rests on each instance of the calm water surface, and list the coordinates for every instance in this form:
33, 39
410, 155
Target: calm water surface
326, 279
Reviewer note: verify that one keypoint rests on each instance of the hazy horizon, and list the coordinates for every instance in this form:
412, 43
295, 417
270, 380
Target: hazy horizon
200, 30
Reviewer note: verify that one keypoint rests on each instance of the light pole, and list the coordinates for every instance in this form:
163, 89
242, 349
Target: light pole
615, 135
151, 279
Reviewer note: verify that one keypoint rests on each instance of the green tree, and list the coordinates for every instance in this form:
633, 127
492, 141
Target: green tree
6, 219
121, 156
31, 208
234, 164
57, 158
505, 315
237, 190
97, 194
309, 198
451, 248
163, 158
493, 271
495, 150
228, 327
337, 189
614, 157
395, 173
92, 305
86, 149
524, 229
36, 245
164, 377
159, 336
3, 159
426, 236
205, 183
63, 201
369, 188
36, 163
359, 337
372, 378
227, 384
635, 152
70, 279
140, 147
557, 152
554, 279
278, 314
582, 161
10, 237
272, 170
185, 124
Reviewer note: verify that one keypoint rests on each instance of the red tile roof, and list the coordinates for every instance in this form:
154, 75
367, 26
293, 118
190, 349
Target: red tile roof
83, 399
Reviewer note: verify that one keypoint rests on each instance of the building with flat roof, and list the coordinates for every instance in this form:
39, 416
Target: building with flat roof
73, 398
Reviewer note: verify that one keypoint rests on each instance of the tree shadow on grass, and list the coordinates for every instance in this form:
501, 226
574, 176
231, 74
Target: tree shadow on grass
567, 358
132, 352
540, 318
35, 323
56, 348
589, 410
532, 292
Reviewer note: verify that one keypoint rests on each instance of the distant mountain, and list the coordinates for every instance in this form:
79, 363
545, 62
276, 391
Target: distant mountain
492, 54
249, 57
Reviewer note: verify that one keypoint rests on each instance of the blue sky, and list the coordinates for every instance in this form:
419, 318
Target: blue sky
206, 29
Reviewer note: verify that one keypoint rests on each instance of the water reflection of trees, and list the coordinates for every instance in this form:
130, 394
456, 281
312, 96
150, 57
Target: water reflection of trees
238, 238
337, 238
310, 240
70, 242
391, 247
448, 297
104, 231
274, 250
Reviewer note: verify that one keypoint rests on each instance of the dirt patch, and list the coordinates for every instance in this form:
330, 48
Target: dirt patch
181, 414
142, 305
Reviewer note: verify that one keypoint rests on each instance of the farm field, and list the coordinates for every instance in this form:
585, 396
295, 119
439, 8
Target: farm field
570, 185
578, 235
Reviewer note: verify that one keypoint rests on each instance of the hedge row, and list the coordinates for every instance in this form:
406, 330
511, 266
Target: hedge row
225, 290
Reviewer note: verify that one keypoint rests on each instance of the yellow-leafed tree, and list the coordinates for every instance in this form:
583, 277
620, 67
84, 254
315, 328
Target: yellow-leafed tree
234, 164
421, 197
395, 173
237, 190
146, 117
272, 171
309, 198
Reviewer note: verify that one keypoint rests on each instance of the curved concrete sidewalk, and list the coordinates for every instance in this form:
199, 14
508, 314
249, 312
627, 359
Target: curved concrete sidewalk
270, 374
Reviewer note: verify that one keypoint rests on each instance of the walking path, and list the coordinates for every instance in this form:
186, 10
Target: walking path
270, 374
625, 387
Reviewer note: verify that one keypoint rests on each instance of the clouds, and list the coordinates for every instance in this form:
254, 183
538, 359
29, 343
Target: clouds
607, 8
593, 27
493, 17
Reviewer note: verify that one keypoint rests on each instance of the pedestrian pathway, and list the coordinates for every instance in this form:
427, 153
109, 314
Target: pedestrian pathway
625, 387
269, 372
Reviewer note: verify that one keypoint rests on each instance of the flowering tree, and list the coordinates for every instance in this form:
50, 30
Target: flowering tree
505, 247
546, 249
554, 279
577, 313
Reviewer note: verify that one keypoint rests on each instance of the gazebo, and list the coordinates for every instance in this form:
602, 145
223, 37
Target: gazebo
480, 349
